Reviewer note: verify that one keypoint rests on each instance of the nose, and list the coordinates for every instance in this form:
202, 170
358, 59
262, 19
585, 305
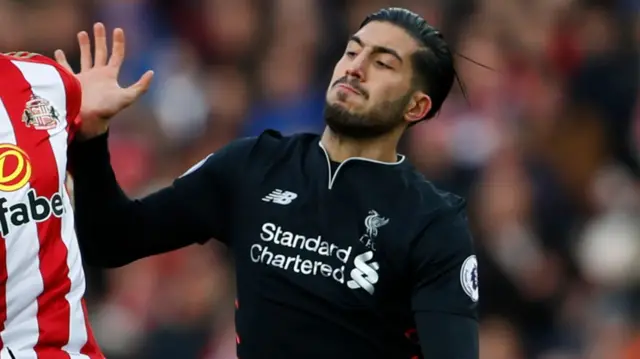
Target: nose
355, 69
355, 73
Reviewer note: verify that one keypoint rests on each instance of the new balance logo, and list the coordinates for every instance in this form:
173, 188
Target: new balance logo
280, 197
364, 275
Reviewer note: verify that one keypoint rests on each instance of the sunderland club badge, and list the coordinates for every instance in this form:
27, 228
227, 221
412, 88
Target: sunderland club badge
40, 114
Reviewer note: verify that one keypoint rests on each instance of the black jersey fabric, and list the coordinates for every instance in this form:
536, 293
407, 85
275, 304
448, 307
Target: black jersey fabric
359, 259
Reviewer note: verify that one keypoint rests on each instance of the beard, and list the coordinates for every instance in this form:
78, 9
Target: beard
382, 119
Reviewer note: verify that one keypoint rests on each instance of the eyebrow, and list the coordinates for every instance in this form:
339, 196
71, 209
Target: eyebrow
376, 48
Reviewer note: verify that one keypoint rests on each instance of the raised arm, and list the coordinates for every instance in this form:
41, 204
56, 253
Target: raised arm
114, 230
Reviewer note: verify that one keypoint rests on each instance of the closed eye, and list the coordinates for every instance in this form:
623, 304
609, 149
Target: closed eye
383, 65
350, 54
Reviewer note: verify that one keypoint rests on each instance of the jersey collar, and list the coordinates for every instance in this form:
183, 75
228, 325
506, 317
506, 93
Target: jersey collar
379, 164
400, 160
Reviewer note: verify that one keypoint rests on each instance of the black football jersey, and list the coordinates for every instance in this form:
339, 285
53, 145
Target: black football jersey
333, 260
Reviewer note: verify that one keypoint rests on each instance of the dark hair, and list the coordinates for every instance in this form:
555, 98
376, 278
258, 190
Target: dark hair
434, 71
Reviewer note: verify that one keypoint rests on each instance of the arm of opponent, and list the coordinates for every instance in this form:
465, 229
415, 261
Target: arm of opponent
445, 290
114, 230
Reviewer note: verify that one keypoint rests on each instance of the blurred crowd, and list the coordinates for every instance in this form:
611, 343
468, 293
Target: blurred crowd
542, 140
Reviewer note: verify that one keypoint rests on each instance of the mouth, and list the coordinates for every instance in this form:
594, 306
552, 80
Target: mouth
348, 88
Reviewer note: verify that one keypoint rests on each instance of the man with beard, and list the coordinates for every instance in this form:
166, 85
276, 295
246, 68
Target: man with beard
342, 249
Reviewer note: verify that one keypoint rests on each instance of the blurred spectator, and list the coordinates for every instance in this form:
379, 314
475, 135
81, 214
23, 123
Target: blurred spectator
544, 146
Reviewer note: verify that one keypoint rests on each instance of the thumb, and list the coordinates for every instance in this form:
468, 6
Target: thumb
140, 87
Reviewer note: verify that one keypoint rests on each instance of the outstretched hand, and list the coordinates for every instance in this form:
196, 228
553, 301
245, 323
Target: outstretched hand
102, 96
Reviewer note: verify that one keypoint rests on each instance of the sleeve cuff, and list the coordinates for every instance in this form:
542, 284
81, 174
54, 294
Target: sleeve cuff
89, 155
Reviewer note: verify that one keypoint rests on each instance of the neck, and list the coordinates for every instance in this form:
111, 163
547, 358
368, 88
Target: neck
382, 148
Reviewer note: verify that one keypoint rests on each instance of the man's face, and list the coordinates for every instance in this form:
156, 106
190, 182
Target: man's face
371, 89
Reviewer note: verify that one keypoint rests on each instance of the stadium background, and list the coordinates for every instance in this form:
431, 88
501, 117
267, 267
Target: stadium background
544, 147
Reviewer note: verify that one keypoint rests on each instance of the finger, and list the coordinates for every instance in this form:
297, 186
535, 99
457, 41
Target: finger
61, 59
139, 88
85, 51
100, 38
118, 50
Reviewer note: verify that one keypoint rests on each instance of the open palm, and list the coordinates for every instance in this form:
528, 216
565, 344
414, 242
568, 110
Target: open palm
102, 96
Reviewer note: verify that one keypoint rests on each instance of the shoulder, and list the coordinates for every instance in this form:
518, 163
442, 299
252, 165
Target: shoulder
441, 217
46, 77
276, 140
30, 57
271, 146
430, 202
251, 152
267, 144
442, 204
42, 70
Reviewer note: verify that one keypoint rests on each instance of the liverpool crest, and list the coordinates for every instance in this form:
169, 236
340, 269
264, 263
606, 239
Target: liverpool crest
40, 114
373, 222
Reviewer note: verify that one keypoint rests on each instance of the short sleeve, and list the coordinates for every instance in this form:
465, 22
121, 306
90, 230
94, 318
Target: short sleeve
444, 266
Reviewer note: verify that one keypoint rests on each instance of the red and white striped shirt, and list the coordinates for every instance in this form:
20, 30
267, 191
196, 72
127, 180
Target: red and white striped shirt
42, 283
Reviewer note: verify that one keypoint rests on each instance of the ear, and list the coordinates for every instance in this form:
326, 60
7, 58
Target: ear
418, 107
